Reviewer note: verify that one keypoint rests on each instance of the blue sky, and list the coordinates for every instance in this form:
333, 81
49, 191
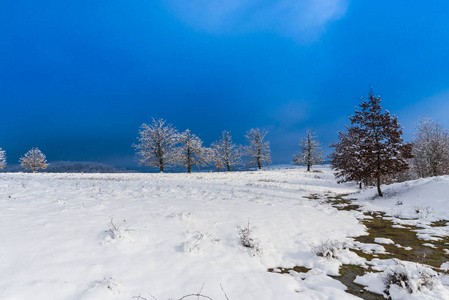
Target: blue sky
78, 78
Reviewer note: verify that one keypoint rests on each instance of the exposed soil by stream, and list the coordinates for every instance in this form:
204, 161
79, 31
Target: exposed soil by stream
407, 246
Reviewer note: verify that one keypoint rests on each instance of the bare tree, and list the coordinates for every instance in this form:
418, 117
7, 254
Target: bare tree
381, 151
258, 151
2, 159
310, 151
34, 160
156, 144
227, 151
191, 151
430, 149
215, 159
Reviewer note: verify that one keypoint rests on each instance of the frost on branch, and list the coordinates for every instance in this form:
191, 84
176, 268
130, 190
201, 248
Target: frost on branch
156, 144
227, 153
34, 160
258, 151
378, 146
310, 151
430, 149
346, 159
2, 158
247, 239
329, 249
190, 151
409, 277
214, 158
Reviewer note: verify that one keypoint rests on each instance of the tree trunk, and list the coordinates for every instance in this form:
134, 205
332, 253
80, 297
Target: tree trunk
308, 168
378, 167
189, 169
161, 168
228, 167
258, 163
378, 186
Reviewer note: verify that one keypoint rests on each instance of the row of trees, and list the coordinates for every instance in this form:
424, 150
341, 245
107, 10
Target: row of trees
33, 160
160, 145
370, 150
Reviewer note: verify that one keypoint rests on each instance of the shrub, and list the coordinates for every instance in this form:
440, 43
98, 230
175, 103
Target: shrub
411, 278
246, 238
329, 249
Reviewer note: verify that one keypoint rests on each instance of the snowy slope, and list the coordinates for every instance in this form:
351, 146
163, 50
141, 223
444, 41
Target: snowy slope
407, 199
175, 232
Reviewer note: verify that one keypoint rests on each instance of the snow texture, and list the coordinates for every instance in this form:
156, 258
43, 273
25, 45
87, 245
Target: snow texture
117, 236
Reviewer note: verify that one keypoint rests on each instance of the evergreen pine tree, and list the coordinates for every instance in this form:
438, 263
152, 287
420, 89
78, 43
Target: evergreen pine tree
379, 149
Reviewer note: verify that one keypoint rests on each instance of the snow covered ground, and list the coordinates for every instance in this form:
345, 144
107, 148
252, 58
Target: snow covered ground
164, 236
421, 203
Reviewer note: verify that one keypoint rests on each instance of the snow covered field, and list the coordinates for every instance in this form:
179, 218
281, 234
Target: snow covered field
119, 236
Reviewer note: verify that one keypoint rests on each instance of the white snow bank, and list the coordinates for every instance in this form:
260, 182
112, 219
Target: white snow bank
404, 280
423, 198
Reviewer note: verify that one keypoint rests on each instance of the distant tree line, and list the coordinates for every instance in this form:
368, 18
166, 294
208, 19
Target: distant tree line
370, 151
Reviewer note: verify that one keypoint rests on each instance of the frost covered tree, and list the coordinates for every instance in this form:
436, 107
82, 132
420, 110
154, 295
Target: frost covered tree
34, 160
379, 148
227, 151
258, 151
430, 149
346, 158
190, 151
156, 144
215, 159
2, 159
310, 151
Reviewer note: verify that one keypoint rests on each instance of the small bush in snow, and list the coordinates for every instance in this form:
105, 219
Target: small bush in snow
329, 249
107, 283
116, 232
246, 238
412, 279
193, 241
424, 212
